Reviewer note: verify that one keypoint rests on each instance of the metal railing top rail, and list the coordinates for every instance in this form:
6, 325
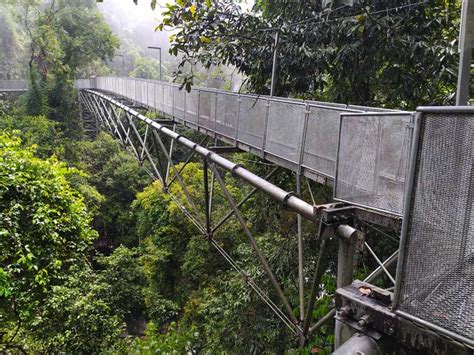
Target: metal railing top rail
286, 198
356, 108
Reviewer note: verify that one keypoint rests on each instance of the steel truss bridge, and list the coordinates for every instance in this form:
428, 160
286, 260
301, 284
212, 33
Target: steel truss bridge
412, 172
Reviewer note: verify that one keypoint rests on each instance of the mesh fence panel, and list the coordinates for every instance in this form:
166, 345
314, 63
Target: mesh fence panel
159, 97
372, 161
438, 270
205, 105
252, 116
320, 146
179, 102
150, 89
285, 130
168, 99
191, 106
129, 90
227, 113
142, 92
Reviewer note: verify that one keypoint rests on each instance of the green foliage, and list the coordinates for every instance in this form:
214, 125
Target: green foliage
125, 279
77, 316
360, 55
66, 38
49, 299
182, 267
146, 68
176, 341
117, 177
33, 130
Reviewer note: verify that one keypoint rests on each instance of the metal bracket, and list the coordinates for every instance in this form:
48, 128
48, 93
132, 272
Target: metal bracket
367, 309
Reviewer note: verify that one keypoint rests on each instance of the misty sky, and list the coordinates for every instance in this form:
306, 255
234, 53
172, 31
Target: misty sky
141, 19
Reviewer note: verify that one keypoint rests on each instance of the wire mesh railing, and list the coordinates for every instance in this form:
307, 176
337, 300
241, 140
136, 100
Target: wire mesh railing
13, 85
299, 135
436, 272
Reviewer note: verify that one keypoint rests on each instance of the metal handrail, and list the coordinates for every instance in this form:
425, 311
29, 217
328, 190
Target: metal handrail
300, 135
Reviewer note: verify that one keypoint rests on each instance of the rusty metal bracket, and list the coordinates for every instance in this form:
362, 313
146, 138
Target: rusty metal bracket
367, 309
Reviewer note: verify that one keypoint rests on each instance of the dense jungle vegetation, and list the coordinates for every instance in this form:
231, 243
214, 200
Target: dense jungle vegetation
94, 257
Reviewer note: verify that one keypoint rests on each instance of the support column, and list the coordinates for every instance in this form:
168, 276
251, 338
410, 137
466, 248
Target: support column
345, 269
359, 344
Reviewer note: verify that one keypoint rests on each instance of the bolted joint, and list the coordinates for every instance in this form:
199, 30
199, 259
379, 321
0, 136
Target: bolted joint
364, 321
344, 312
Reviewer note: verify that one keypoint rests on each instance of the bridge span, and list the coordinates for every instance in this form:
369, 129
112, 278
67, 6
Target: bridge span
412, 172
367, 168
382, 164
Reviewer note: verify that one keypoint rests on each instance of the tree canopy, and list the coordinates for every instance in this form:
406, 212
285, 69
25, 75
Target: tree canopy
385, 53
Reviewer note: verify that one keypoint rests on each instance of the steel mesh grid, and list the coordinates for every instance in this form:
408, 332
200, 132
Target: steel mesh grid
252, 117
142, 92
372, 160
150, 95
438, 270
285, 130
205, 106
158, 98
168, 99
227, 113
191, 106
178, 102
320, 146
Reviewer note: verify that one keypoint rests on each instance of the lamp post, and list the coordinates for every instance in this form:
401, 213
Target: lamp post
275, 63
159, 48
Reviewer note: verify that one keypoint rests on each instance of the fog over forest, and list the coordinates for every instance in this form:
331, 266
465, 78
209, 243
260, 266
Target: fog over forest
136, 22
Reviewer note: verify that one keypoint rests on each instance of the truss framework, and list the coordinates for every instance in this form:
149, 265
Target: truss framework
147, 140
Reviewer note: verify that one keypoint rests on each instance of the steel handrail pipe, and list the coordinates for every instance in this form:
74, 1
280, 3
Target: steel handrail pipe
288, 199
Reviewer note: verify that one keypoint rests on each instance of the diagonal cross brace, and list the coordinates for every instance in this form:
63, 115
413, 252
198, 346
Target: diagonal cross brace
257, 250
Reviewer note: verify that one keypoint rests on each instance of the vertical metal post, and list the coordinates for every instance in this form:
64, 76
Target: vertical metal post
239, 101
300, 252
275, 63
303, 138
198, 118
206, 198
318, 272
465, 52
215, 116
410, 180
173, 105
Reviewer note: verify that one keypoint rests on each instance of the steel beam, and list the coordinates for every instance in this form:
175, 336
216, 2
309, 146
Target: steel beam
318, 273
300, 252
244, 199
254, 245
286, 198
